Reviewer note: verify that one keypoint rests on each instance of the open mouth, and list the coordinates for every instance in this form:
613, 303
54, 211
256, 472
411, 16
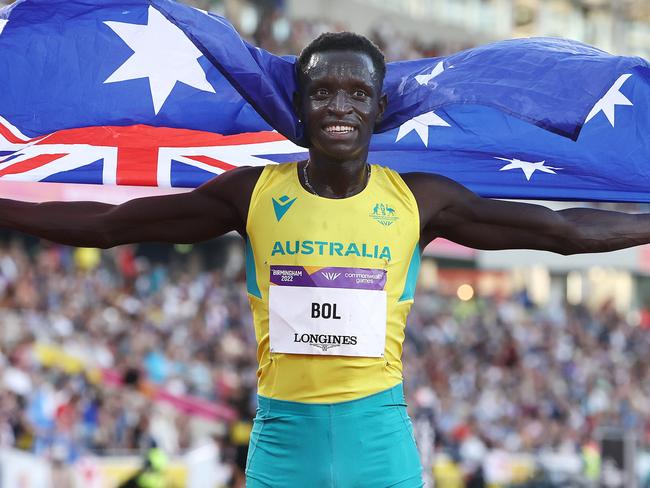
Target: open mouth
336, 129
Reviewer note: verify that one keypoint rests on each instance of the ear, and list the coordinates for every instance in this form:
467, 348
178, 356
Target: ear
383, 102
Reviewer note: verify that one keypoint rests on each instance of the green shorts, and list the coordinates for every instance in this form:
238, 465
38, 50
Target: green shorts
361, 443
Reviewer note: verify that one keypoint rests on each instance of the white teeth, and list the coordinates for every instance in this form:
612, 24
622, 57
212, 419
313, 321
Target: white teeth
341, 129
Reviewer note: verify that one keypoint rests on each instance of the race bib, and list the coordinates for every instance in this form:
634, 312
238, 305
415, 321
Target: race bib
329, 311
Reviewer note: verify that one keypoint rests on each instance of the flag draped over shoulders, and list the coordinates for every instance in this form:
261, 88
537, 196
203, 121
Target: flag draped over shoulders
138, 92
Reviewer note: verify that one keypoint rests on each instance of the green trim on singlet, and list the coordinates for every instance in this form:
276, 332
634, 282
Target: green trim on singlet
251, 272
411, 276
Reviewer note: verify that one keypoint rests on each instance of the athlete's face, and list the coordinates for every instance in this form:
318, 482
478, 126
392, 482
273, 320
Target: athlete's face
340, 102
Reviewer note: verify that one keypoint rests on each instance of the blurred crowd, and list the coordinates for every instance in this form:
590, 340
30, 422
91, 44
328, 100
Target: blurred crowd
500, 374
265, 23
479, 375
89, 339
526, 379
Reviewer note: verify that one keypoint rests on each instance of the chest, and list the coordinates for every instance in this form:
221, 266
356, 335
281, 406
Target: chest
361, 231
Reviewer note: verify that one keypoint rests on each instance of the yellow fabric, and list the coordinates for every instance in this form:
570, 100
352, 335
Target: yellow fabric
87, 258
151, 479
157, 459
447, 474
383, 218
54, 356
240, 433
592, 461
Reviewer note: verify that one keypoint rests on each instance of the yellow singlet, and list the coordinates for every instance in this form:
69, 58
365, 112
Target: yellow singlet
330, 283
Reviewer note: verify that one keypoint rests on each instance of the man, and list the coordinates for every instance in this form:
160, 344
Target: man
333, 248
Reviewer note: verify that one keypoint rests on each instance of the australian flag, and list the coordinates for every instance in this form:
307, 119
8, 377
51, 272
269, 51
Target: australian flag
137, 92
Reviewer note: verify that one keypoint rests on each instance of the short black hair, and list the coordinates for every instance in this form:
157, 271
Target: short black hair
342, 41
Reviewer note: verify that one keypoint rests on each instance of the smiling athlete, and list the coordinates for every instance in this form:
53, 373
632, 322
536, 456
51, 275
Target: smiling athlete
332, 255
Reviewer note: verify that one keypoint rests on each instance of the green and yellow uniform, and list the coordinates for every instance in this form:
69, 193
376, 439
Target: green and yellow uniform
330, 283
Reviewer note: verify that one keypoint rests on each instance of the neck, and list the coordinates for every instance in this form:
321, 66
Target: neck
335, 179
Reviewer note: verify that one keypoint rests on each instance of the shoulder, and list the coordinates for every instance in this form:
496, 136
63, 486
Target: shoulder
435, 195
427, 187
241, 174
233, 188
235, 183
418, 180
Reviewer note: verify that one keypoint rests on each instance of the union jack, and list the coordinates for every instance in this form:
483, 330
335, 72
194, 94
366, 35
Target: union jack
135, 155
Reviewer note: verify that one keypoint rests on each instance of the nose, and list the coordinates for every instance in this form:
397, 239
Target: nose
340, 103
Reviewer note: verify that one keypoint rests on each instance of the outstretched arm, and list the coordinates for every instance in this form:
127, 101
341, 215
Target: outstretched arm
450, 210
216, 207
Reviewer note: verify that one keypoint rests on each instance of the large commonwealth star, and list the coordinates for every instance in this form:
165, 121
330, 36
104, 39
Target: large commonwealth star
162, 53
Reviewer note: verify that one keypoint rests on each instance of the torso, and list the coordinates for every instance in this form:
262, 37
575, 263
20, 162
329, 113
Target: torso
330, 283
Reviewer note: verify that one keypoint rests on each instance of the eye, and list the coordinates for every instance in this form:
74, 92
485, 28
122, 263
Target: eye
321, 92
359, 93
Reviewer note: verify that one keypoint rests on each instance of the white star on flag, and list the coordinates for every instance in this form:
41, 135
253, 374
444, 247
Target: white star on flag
420, 124
527, 167
612, 98
3, 22
425, 79
162, 53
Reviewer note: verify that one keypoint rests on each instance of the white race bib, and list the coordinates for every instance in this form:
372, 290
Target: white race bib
327, 311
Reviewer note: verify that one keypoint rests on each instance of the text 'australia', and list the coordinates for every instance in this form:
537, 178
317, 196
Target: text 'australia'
329, 248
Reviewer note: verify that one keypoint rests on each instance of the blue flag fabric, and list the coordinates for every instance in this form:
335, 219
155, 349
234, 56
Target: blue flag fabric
155, 92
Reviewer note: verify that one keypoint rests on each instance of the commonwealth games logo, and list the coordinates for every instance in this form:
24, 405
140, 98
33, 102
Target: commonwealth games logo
384, 214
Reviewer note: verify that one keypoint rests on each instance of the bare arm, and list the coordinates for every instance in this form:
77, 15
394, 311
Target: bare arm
450, 210
216, 207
